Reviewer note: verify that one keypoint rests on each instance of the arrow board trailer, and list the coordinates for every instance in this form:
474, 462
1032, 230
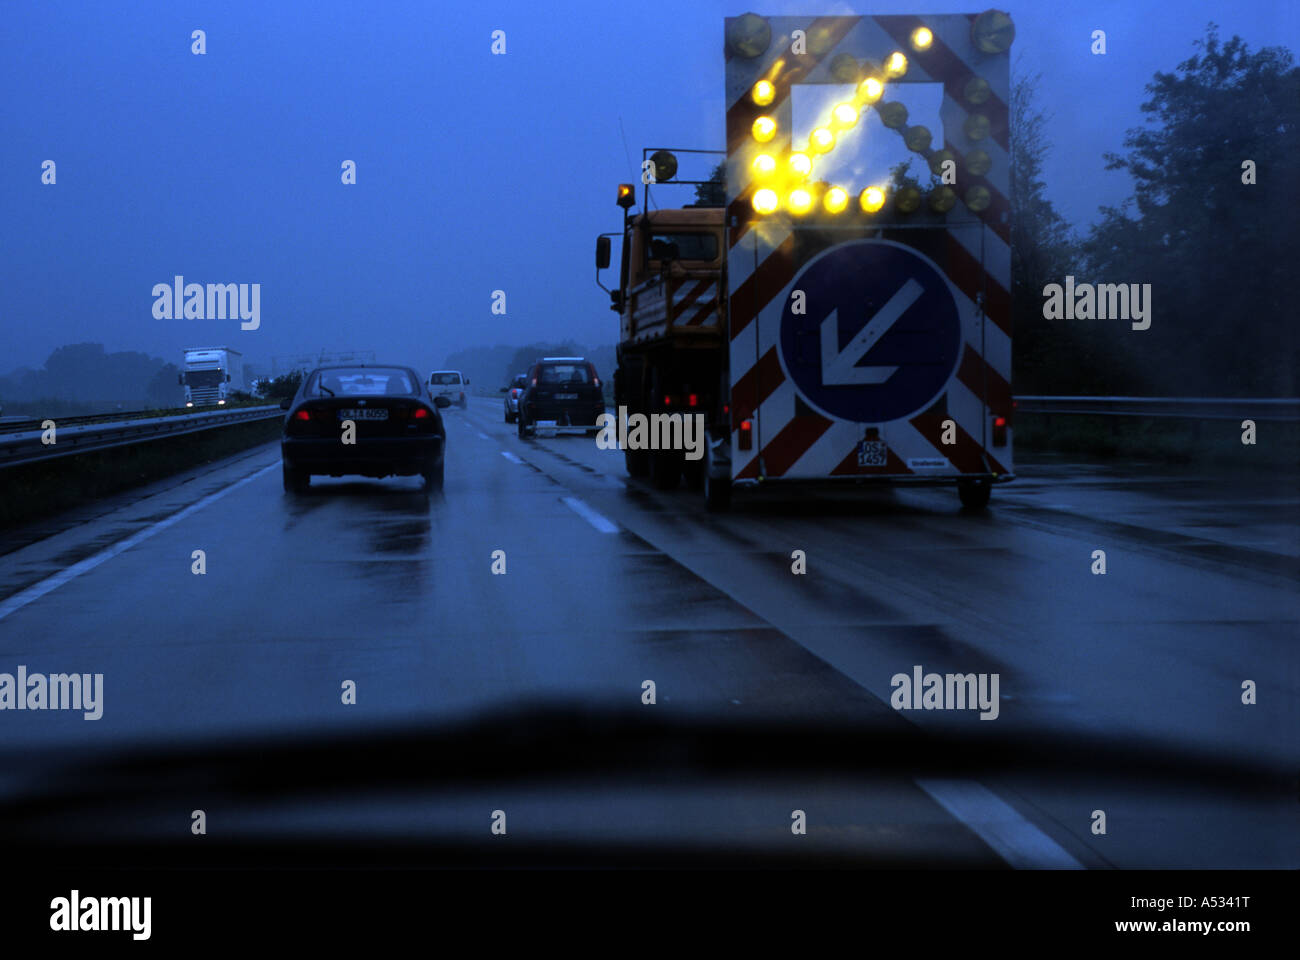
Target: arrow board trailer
867, 235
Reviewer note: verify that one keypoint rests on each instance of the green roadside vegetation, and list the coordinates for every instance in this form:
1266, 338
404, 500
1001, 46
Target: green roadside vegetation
1158, 439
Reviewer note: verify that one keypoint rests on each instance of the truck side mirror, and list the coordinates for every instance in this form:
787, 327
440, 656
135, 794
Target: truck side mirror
602, 253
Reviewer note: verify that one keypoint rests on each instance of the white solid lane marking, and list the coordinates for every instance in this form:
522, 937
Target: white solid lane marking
1012, 837
510, 456
37, 590
484, 435
590, 515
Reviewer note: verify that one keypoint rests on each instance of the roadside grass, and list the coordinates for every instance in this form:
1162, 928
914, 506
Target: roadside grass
1159, 439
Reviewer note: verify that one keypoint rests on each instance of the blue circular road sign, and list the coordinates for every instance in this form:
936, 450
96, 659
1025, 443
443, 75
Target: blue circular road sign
880, 336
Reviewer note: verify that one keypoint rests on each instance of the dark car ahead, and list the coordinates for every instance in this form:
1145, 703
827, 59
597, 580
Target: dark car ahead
513, 393
398, 430
565, 390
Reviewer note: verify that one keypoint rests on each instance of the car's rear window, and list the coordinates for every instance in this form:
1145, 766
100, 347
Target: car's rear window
366, 381
445, 379
563, 373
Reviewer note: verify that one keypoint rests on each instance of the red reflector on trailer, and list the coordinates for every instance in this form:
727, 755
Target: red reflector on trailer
746, 434
1000, 422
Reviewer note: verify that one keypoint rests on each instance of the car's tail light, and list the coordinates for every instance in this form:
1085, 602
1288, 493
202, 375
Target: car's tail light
668, 401
302, 415
746, 434
420, 413
692, 400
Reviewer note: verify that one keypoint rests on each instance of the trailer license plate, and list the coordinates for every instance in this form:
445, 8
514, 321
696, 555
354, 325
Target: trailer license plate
872, 453
359, 414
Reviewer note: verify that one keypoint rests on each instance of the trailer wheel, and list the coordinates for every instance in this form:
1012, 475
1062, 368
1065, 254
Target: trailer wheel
637, 462
665, 468
717, 492
693, 473
974, 493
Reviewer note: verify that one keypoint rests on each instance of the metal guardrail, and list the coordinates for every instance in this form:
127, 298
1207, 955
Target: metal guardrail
26, 446
1190, 408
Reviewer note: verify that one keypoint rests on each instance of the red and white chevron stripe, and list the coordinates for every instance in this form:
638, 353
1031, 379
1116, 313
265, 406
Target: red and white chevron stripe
970, 248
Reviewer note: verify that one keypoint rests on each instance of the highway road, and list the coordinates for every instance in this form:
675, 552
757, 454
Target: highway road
609, 583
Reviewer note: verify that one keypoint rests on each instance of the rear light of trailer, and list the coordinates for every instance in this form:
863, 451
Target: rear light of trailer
746, 434
693, 400
999, 431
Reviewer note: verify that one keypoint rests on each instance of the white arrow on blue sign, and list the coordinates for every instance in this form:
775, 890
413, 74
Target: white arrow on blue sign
881, 336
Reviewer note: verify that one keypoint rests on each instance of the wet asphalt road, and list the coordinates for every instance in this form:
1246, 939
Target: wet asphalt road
609, 583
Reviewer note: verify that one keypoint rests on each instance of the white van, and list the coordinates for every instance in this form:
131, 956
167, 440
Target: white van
449, 384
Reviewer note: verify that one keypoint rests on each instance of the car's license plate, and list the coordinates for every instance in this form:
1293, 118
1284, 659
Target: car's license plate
566, 396
360, 414
872, 453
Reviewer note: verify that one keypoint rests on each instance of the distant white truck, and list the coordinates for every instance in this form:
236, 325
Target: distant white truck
211, 375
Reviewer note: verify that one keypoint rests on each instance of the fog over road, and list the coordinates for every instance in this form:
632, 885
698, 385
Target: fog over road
609, 583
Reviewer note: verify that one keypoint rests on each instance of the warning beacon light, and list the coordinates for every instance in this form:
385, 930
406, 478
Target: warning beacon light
626, 195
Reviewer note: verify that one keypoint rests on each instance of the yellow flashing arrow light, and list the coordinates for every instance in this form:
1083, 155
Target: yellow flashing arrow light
764, 92
942, 199
917, 139
870, 90
800, 164
836, 200
872, 199
896, 65
800, 201
844, 115
821, 140
978, 198
765, 201
922, 38
763, 165
993, 32
979, 162
764, 129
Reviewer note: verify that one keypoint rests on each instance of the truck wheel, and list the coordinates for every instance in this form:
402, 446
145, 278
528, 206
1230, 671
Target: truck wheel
693, 473
295, 481
637, 462
717, 490
974, 493
665, 468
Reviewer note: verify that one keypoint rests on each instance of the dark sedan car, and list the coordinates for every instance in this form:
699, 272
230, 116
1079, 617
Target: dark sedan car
396, 429
564, 391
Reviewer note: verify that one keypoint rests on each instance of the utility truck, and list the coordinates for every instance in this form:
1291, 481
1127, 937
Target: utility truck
841, 313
